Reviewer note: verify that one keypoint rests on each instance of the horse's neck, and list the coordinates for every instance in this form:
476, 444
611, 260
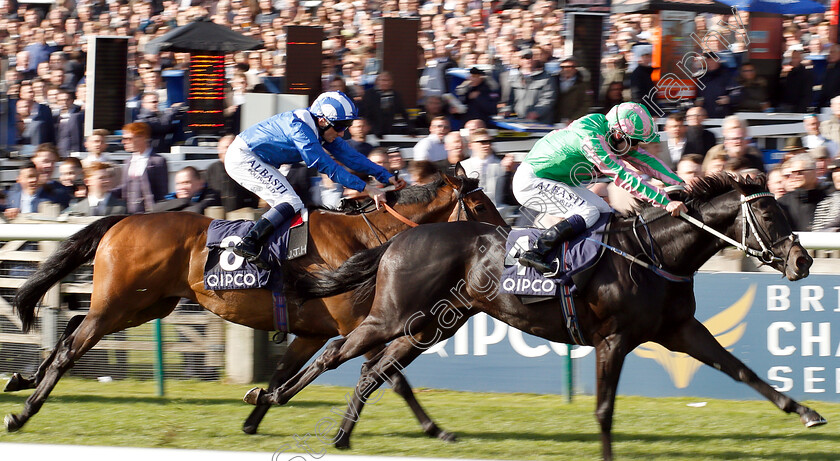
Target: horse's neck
357, 232
682, 247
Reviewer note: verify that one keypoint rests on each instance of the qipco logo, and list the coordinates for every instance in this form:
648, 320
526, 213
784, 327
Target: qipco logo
229, 260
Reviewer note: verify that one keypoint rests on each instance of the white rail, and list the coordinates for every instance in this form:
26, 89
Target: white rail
39, 232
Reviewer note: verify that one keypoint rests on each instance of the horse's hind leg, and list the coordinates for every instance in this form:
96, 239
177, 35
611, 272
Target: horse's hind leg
695, 340
18, 383
300, 350
388, 366
367, 335
66, 353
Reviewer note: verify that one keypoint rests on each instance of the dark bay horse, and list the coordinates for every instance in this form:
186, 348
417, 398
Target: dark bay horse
432, 278
144, 264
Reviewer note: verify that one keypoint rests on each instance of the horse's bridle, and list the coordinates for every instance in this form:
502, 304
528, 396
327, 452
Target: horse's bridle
766, 254
462, 207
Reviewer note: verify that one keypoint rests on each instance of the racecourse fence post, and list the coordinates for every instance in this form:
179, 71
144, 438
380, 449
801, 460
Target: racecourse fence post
159, 378
569, 375
52, 299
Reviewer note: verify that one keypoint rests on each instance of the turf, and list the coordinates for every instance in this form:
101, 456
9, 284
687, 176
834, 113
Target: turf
501, 426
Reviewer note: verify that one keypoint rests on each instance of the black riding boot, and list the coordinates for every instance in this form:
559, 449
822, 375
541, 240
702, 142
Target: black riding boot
550, 239
251, 245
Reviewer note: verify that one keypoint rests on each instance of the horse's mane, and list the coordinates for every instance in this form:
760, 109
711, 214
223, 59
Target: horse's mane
422, 193
426, 193
708, 187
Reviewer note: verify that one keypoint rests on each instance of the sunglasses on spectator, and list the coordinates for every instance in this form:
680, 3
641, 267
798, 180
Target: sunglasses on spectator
798, 172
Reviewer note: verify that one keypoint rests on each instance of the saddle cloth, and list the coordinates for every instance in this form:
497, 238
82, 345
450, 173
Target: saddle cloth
575, 257
226, 271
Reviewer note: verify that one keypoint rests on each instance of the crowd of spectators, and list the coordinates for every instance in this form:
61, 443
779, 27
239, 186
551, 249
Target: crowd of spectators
479, 60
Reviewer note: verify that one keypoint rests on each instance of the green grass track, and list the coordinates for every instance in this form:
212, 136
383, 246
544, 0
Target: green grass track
203, 415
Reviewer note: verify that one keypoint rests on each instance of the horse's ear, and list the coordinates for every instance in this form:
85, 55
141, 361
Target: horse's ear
452, 181
733, 179
459, 170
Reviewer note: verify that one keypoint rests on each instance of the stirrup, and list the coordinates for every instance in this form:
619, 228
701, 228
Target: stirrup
553, 266
253, 258
555, 263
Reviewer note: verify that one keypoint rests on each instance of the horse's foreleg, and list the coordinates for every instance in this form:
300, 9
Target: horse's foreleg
300, 350
695, 340
610, 354
18, 383
65, 355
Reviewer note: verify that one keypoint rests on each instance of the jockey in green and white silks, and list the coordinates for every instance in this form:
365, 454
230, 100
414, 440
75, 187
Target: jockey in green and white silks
553, 177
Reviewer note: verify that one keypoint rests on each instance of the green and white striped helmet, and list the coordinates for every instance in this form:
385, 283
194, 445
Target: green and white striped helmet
634, 121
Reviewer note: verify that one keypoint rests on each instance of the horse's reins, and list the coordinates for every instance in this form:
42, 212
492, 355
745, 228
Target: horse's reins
462, 207
764, 255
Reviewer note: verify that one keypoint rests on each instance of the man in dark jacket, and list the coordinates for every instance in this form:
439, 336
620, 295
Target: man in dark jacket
480, 95
796, 85
698, 140
831, 80
163, 123
641, 82
191, 193
804, 193
574, 96
384, 108
69, 125
31, 190
717, 83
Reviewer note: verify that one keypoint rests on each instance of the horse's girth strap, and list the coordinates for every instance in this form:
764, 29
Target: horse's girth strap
402, 218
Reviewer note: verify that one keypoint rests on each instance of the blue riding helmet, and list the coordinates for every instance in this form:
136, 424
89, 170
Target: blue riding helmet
334, 106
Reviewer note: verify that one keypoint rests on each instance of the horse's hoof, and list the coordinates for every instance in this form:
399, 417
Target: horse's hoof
342, 444
447, 436
14, 384
12, 423
253, 396
249, 429
812, 419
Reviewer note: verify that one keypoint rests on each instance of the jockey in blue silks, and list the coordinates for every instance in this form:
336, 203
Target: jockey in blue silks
308, 135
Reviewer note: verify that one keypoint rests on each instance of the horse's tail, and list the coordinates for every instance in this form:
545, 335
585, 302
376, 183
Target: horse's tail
357, 273
72, 253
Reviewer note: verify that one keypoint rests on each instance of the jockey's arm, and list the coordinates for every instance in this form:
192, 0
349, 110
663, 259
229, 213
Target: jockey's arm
354, 160
650, 165
616, 169
314, 155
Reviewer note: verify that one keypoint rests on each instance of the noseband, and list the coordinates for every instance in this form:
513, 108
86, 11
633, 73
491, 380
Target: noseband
765, 254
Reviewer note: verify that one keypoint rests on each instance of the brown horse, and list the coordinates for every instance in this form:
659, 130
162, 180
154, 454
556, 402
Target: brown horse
431, 279
144, 264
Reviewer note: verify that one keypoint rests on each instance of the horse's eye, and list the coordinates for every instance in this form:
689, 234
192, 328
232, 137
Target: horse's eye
480, 209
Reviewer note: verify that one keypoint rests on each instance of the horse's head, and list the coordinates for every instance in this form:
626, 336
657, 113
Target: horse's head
768, 233
473, 204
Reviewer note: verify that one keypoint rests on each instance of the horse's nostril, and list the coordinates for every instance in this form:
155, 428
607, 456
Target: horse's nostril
802, 262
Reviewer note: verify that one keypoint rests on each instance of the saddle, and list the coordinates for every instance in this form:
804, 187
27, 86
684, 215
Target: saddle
224, 270
575, 259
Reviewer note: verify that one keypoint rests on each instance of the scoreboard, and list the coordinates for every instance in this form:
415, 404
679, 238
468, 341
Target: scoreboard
303, 60
206, 96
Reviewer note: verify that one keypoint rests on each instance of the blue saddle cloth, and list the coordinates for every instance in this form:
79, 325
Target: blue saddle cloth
226, 271
574, 256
